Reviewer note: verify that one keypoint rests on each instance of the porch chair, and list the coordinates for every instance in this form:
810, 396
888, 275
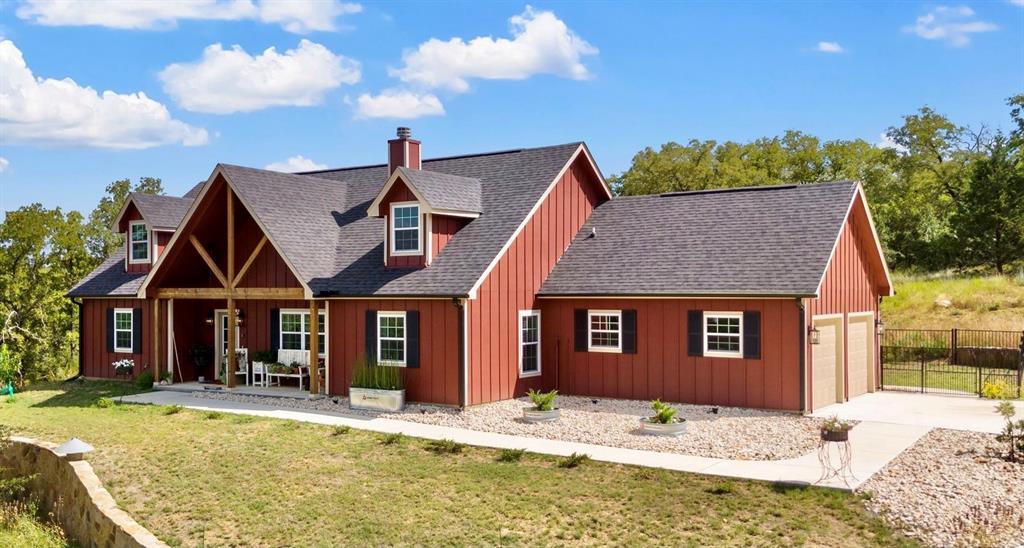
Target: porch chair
241, 363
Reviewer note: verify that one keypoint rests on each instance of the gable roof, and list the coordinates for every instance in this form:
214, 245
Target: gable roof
443, 191
109, 279
755, 241
161, 212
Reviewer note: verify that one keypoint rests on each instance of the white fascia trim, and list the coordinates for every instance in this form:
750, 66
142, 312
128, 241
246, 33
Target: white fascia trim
419, 229
308, 293
860, 315
582, 149
425, 207
150, 242
874, 235
826, 317
124, 208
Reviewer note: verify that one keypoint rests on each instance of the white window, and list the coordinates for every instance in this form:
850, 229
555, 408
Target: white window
138, 242
391, 338
405, 229
723, 334
529, 343
294, 329
123, 330
605, 330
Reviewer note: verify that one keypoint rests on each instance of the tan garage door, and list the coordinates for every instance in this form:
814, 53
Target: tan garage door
827, 362
859, 357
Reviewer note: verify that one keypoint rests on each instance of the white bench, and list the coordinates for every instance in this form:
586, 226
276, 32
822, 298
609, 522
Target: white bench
285, 357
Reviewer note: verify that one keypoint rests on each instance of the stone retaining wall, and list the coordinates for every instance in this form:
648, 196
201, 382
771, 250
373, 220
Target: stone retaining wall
74, 495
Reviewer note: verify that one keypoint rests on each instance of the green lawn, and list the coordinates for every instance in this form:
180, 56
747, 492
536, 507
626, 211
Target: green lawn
214, 479
945, 377
19, 527
980, 302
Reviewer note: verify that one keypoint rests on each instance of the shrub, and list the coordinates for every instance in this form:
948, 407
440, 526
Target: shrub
511, 455
213, 415
340, 430
445, 447
723, 488
1013, 432
370, 374
392, 439
145, 380
105, 403
998, 389
664, 413
573, 460
543, 401
172, 409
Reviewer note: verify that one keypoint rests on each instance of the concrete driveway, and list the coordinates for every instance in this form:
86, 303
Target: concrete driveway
953, 412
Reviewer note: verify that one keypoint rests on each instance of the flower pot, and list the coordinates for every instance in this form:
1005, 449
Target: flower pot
659, 429
373, 399
532, 415
835, 435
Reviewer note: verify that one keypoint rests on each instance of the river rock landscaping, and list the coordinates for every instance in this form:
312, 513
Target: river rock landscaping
717, 432
952, 488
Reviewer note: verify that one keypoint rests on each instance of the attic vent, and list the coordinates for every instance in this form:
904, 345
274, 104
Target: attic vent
727, 190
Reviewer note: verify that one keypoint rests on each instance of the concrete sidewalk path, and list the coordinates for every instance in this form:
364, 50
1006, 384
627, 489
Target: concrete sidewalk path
873, 444
929, 410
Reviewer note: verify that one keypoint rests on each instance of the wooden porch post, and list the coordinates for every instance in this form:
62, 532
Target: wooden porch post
314, 347
229, 368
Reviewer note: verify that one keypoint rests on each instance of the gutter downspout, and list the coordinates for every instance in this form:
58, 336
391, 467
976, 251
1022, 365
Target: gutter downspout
460, 305
803, 355
81, 350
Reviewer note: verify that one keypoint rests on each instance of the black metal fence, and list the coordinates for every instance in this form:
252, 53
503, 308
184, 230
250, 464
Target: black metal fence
955, 361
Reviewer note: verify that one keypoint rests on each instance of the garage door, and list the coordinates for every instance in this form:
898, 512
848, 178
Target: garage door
859, 354
827, 359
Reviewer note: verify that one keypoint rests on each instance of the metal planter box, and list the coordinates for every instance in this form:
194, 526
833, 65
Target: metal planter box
532, 415
658, 429
372, 399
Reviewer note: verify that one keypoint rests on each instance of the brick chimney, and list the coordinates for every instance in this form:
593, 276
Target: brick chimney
403, 151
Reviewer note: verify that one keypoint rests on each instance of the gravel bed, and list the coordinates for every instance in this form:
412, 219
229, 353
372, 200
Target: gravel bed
951, 489
720, 432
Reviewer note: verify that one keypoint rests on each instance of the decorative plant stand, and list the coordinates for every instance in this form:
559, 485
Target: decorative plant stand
830, 467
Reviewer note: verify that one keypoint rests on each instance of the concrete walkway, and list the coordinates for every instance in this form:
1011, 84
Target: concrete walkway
930, 410
873, 444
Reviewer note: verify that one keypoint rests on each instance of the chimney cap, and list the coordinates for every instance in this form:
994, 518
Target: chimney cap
404, 132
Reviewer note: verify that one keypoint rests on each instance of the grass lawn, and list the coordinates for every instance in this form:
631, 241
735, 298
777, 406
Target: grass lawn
990, 302
216, 479
19, 527
945, 377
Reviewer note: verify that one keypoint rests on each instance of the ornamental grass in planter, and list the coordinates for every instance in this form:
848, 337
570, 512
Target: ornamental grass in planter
834, 429
664, 422
377, 387
543, 409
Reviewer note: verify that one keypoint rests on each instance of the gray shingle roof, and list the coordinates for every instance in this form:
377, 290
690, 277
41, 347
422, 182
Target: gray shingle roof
161, 212
444, 190
757, 241
109, 279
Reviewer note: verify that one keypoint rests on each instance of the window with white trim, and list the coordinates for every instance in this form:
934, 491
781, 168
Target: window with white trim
604, 330
138, 242
405, 229
294, 331
123, 332
391, 338
723, 334
529, 343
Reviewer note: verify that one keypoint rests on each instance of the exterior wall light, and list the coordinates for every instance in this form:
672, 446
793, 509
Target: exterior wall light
879, 326
815, 335
74, 449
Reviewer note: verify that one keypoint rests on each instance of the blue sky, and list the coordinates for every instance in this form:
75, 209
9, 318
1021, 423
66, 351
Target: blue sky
620, 76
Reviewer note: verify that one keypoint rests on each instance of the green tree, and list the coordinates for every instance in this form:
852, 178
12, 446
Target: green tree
989, 221
100, 239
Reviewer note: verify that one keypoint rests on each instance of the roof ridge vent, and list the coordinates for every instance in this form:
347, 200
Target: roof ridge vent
728, 190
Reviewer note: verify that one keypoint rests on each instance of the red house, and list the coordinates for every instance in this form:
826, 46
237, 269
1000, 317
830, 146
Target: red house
485, 275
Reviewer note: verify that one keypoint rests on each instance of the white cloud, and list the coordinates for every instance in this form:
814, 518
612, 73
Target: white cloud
226, 81
4, 164
829, 47
298, 16
952, 24
295, 164
541, 44
884, 141
49, 111
395, 103
1017, 2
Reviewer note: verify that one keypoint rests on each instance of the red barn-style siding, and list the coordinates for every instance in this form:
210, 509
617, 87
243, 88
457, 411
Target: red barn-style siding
661, 366
442, 230
512, 285
399, 192
852, 283
96, 360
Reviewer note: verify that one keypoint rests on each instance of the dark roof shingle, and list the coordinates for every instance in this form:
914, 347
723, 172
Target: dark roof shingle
161, 212
444, 190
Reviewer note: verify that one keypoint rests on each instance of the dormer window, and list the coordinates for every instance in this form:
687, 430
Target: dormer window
138, 242
405, 229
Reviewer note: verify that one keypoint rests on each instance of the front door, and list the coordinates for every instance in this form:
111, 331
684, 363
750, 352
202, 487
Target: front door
220, 339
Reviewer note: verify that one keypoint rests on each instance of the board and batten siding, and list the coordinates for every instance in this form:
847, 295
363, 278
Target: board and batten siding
662, 367
850, 285
436, 380
96, 360
442, 230
513, 284
399, 192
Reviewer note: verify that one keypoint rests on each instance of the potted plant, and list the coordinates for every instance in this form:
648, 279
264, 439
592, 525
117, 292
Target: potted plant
376, 387
123, 368
834, 429
200, 354
543, 409
664, 422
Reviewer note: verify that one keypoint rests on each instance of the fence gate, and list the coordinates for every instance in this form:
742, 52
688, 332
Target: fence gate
955, 362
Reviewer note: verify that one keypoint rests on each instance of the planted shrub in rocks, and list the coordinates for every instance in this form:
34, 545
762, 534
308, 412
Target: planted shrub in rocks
664, 422
543, 409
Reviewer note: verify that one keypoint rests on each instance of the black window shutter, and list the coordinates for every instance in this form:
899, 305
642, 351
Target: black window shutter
694, 332
412, 339
580, 325
137, 331
752, 334
371, 335
110, 330
629, 331
275, 331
